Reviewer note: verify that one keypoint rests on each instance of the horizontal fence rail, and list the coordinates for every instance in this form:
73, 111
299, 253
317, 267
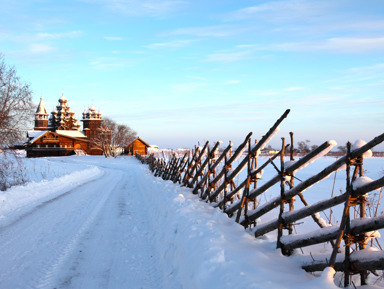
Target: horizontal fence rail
211, 172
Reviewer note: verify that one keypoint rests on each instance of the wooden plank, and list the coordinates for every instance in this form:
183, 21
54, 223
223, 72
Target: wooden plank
374, 260
295, 166
264, 140
312, 180
228, 163
293, 216
190, 172
204, 165
253, 174
326, 234
213, 167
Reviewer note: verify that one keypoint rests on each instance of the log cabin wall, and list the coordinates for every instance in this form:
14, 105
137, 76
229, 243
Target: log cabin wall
137, 146
53, 144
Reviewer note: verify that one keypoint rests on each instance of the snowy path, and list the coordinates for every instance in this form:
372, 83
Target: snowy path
93, 236
111, 224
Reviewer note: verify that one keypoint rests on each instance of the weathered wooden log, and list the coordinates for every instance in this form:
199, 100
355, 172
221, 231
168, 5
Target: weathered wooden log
229, 162
212, 168
264, 140
374, 260
312, 180
358, 226
295, 166
253, 174
177, 169
189, 173
189, 165
169, 167
181, 169
159, 167
293, 216
204, 165
374, 185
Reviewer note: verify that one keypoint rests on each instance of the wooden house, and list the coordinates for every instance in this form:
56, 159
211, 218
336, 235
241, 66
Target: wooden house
60, 134
137, 146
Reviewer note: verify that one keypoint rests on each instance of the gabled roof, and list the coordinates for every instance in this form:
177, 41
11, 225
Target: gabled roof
139, 139
35, 135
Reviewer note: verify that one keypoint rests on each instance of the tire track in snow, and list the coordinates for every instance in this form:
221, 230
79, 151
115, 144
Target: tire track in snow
98, 235
48, 278
33, 248
117, 251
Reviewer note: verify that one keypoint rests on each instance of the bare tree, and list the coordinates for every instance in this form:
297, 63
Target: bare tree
16, 107
303, 146
16, 111
313, 147
102, 139
112, 137
342, 149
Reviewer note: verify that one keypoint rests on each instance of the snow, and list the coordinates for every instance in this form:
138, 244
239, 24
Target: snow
71, 133
91, 222
362, 181
358, 144
266, 141
35, 134
331, 145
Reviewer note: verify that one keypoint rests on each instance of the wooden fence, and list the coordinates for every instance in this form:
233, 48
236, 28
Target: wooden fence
212, 175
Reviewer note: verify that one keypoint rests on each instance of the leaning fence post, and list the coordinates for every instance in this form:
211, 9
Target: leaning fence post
282, 198
244, 198
344, 221
292, 174
226, 168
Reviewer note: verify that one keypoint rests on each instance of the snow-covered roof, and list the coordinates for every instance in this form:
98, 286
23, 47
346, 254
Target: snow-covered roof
71, 133
35, 134
139, 139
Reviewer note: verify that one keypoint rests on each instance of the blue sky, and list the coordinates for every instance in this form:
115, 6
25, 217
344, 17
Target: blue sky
179, 72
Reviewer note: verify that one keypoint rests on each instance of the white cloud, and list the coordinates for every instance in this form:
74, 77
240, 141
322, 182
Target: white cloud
228, 57
49, 36
208, 31
109, 63
338, 44
171, 44
37, 48
233, 81
151, 8
283, 10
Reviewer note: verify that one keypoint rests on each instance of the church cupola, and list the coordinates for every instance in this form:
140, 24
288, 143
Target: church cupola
91, 121
62, 118
41, 116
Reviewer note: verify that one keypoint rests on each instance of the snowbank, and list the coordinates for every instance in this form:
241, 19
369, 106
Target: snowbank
206, 249
18, 200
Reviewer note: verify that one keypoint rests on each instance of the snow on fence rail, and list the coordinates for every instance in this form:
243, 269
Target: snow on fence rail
211, 175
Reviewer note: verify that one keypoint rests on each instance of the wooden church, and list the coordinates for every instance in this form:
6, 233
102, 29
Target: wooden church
60, 134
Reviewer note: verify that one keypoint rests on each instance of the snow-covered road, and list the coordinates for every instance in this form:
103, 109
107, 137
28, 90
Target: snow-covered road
91, 236
108, 223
